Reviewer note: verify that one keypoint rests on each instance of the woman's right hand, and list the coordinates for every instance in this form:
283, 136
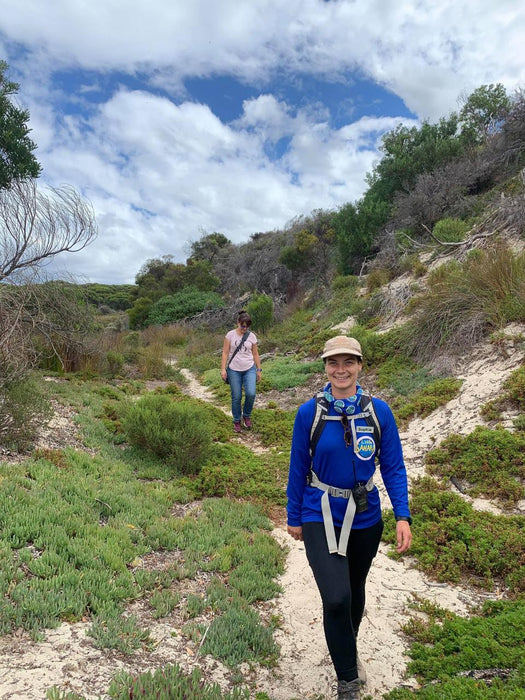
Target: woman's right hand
224, 374
296, 531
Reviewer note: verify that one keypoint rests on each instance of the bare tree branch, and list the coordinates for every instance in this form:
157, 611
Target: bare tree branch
466, 242
34, 227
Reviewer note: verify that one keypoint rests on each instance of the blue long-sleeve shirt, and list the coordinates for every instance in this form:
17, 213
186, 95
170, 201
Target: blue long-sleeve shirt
334, 464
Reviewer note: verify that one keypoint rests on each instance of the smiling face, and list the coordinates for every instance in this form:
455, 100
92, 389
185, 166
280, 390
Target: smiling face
342, 372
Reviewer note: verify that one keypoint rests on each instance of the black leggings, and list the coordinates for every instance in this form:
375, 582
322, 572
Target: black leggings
341, 582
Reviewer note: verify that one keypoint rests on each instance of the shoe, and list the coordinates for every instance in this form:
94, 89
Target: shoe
237, 426
348, 690
247, 423
361, 673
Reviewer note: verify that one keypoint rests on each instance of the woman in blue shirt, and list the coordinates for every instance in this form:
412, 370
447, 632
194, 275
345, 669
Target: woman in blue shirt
333, 504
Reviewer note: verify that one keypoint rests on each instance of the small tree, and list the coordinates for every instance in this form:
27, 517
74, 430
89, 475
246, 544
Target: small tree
484, 111
16, 148
208, 246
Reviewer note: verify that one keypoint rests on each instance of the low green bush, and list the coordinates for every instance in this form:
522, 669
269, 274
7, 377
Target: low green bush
288, 372
451, 230
454, 542
187, 302
491, 462
344, 282
260, 309
447, 645
24, 409
512, 396
124, 634
236, 472
238, 636
168, 683
115, 362
274, 427
402, 376
176, 431
466, 301
423, 402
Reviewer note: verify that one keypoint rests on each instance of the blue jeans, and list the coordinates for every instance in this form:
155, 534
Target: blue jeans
238, 380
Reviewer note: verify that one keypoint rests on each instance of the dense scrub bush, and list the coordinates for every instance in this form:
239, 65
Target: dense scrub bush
345, 282
24, 409
187, 302
260, 309
446, 648
492, 462
454, 542
115, 362
176, 431
450, 230
465, 301
139, 312
422, 402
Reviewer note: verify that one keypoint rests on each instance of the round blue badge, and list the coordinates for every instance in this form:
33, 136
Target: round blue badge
365, 447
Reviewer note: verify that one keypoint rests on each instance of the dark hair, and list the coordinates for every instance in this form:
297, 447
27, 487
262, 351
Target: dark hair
244, 317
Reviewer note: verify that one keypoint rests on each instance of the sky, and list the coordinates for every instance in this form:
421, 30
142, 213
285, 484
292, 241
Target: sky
180, 118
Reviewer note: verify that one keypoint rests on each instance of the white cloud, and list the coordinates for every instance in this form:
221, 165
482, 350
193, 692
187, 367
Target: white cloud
159, 171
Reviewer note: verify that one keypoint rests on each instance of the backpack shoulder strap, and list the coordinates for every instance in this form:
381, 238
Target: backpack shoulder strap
367, 404
321, 409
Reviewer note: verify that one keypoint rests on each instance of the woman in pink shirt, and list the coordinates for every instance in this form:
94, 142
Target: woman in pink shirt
241, 367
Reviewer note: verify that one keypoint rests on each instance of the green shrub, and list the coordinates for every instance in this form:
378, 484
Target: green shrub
402, 376
170, 683
466, 301
426, 400
151, 362
24, 409
260, 309
446, 645
344, 282
514, 387
492, 462
139, 312
178, 432
185, 303
288, 372
377, 278
453, 542
236, 472
119, 632
451, 230
115, 362
238, 636
512, 396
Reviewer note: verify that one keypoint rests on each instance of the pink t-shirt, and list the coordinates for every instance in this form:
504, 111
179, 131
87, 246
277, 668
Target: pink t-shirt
243, 360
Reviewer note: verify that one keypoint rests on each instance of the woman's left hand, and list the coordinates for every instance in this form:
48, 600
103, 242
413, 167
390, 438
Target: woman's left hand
403, 536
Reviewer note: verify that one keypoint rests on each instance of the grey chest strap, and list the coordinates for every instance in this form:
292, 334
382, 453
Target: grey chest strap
333, 546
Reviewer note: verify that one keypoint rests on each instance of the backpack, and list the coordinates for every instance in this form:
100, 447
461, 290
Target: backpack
321, 416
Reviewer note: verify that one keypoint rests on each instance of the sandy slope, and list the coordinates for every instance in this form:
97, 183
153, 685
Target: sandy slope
68, 658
